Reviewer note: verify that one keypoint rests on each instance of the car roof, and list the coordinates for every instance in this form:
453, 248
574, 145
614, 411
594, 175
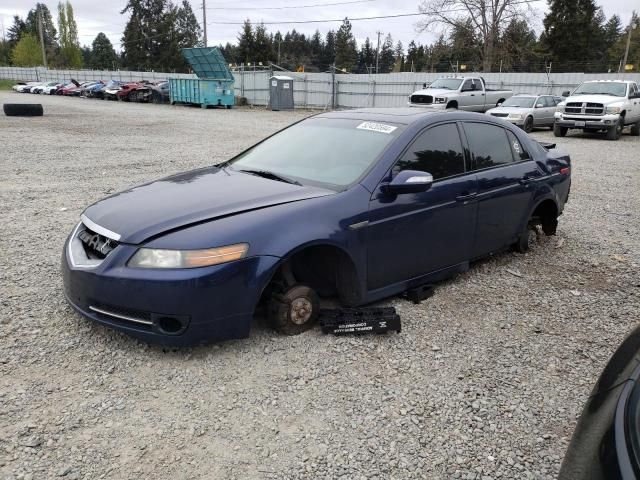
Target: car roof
404, 116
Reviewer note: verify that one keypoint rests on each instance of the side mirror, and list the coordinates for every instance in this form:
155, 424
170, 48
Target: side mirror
409, 181
499, 104
566, 93
539, 105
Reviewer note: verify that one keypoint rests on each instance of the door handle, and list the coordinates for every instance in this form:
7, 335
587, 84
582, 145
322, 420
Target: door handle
525, 181
465, 197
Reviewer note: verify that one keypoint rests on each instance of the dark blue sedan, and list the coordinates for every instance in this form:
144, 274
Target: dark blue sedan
358, 205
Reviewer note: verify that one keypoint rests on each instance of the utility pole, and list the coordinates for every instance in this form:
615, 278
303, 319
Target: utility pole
44, 53
204, 20
279, 42
378, 50
632, 25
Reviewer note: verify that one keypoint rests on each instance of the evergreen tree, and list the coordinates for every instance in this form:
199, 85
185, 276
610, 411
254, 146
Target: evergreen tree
346, 47
103, 56
386, 58
399, 57
329, 51
366, 57
16, 30
316, 45
246, 43
464, 45
262, 45
145, 38
517, 47
27, 52
5, 53
573, 36
49, 32
616, 51
180, 30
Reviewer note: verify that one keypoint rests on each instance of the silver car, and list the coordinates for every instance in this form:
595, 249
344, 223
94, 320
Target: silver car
528, 111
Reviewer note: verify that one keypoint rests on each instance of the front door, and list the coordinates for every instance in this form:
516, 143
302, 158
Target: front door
414, 234
506, 175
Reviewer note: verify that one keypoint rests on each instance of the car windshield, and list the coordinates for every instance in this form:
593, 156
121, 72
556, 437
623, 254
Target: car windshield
519, 102
617, 89
446, 83
325, 152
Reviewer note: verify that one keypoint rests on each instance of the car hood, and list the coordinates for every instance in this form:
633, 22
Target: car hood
604, 99
189, 198
435, 92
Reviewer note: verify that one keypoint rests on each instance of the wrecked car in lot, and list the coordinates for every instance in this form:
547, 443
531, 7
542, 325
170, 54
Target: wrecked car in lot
360, 204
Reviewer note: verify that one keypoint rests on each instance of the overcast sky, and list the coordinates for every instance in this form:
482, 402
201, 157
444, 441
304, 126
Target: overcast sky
104, 16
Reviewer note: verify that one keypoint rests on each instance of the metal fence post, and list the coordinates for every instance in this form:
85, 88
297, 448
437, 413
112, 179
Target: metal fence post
373, 94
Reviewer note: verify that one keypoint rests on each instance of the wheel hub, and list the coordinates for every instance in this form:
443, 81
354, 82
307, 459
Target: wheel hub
301, 310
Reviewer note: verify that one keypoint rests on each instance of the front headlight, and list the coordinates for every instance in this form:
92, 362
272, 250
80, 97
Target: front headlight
162, 258
440, 100
515, 116
560, 107
614, 110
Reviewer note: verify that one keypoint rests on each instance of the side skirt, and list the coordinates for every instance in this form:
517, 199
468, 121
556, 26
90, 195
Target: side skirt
396, 288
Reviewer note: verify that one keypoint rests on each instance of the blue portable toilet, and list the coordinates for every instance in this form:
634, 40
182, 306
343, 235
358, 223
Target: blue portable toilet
214, 85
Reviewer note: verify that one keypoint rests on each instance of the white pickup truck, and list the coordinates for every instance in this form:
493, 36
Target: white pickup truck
464, 93
600, 105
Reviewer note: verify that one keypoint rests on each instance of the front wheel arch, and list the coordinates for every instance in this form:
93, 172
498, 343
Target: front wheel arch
326, 267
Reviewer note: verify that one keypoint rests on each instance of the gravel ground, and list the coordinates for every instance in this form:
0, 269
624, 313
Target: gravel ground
485, 381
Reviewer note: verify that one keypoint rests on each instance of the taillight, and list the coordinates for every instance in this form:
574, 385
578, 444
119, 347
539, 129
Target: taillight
564, 171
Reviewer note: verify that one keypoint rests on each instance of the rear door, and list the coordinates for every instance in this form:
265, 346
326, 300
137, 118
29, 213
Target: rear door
414, 234
506, 176
547, 110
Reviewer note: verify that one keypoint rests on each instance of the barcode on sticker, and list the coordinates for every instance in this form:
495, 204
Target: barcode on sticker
376, 127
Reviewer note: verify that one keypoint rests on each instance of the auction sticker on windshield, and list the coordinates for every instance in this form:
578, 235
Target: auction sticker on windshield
376, 127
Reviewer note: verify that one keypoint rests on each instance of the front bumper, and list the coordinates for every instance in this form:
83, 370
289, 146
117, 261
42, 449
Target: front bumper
209, 304
586, 121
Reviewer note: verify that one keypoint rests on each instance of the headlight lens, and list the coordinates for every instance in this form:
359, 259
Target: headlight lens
440, 100
560, 107
614, 109
515, 116
161, 258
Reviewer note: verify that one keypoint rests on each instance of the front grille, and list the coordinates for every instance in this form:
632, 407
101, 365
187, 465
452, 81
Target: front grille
502, 115
96, 246
576, 108
426, 99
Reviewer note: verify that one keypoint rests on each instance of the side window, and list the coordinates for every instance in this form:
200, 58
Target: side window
549, 102
466, 86
437, 151
633, 90
488, 144
478, 84
519, 153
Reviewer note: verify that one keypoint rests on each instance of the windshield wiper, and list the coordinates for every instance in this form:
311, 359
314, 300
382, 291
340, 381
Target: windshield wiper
270, 175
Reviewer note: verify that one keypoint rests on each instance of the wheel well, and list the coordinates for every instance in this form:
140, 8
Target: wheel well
546, 214
452, 104
327, 269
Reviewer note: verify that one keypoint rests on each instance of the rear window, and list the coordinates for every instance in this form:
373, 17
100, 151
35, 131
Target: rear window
488, 144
